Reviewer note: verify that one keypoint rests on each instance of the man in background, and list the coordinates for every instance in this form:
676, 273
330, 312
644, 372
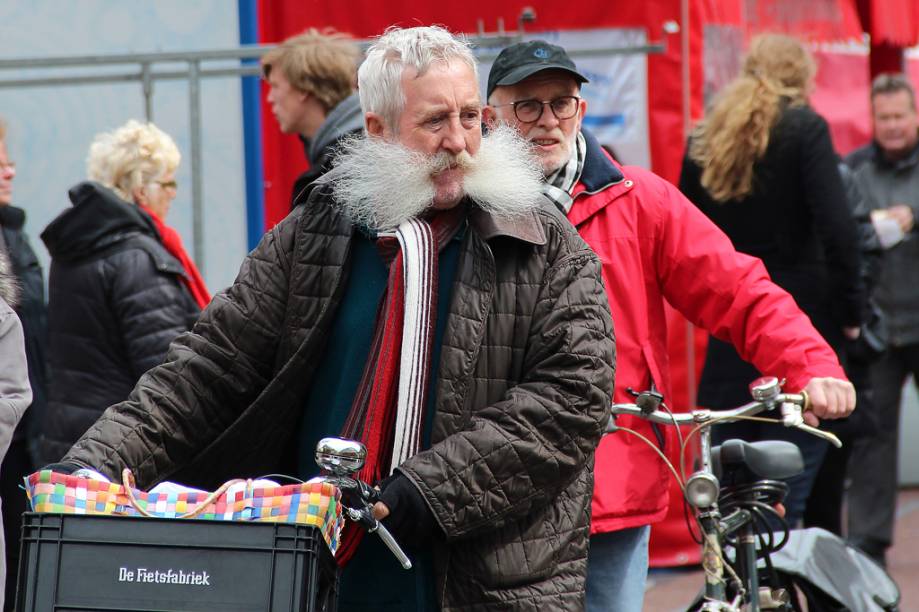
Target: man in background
655, 245
311, 80
887, 174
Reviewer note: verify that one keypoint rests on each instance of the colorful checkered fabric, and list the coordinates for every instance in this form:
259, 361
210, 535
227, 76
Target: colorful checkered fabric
317, 503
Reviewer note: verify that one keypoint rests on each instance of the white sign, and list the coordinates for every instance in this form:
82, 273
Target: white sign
170, 576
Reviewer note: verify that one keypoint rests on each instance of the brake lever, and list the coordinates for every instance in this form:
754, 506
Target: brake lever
826, 435
792, 417
391, 544
364, 517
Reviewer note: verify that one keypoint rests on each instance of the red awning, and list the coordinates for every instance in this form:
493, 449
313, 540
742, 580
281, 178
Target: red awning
892, 22
813, 20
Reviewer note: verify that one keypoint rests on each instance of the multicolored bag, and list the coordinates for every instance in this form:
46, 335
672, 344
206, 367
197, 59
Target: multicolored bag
312, 503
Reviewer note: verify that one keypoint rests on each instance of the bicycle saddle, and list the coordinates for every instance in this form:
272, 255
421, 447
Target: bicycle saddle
771, 459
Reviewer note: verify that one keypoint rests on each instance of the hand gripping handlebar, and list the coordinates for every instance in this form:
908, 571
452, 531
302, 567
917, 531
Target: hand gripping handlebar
342, 458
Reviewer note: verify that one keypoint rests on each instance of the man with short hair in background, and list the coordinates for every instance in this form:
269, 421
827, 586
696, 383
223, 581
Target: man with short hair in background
426, 300
311, 79
887, 174
655, 245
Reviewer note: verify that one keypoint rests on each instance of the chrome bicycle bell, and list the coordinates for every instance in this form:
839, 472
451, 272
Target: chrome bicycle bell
340, 456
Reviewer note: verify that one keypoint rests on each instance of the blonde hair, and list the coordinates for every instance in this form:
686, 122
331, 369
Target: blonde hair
323, 64
735, 131
132, 156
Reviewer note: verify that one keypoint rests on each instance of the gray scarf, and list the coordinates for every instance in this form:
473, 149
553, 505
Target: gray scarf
559, 184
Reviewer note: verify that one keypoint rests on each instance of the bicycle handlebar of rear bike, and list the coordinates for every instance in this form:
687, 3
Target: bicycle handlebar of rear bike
767, 395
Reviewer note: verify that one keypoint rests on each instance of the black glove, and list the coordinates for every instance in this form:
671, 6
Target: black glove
410, 521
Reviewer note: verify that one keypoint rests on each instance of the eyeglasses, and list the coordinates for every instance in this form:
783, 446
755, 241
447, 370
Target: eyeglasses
529, 111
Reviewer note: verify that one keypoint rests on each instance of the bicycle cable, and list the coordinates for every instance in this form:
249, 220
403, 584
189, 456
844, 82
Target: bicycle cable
689, 518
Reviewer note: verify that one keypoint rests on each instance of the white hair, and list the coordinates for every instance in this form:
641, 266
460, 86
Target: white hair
379, 79
132, 156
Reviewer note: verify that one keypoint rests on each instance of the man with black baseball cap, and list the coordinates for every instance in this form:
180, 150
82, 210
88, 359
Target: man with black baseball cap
655, 246
543, 67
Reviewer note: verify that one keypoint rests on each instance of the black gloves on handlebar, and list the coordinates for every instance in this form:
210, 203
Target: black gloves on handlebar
410, 521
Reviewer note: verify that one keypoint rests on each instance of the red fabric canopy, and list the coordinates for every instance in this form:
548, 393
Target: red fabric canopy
891, 22
814, 20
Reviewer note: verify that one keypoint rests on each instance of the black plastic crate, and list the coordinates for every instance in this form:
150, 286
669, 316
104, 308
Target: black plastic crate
74, 562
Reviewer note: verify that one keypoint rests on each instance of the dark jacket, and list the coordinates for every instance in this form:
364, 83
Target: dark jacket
523, 390
798, 222
872, 341
116, 302
344, 120
32, 313
884, 183
874, 334
869, 243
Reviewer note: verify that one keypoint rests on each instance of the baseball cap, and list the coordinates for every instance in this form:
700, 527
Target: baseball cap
521, 60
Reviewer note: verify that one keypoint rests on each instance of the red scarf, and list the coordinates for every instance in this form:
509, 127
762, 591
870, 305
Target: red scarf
383, 397
173, 243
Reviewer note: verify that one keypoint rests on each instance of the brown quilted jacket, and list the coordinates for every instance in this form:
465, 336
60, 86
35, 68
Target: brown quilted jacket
524, 385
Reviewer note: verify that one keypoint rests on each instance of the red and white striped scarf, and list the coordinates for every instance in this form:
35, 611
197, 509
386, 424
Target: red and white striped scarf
387, 413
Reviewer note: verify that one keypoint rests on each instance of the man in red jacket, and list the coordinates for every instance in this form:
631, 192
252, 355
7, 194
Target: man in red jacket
654, 246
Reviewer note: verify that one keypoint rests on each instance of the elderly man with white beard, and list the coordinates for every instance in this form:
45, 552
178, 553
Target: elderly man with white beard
427, 300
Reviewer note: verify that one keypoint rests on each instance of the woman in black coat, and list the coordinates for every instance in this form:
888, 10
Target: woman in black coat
761, 166
117, 295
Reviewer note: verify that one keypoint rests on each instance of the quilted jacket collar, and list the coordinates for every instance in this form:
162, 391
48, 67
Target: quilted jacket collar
526, 228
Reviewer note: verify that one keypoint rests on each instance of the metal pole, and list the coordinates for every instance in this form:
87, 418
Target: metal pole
246, 51
197, 205
147, 82
687, 126
127, 77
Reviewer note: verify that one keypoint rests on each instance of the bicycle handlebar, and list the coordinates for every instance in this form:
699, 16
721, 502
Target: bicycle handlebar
357, 501
790, 403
